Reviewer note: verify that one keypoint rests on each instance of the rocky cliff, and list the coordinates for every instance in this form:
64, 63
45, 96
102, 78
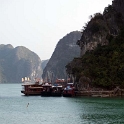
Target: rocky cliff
44, 63
65, 51
18, 62
94, 33
118, 5
101, 47
101, 26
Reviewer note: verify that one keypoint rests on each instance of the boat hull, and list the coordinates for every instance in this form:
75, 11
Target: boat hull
69, 90
68, 93
43, 93
56, 94
31, 93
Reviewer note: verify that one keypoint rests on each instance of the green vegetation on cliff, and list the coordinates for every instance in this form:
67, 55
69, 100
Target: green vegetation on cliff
102, 50
104, 65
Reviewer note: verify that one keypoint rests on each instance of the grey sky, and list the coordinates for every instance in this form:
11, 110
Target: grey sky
40, 24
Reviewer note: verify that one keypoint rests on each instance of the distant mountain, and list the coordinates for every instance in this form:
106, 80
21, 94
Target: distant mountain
18, 62
44, 63
64, 52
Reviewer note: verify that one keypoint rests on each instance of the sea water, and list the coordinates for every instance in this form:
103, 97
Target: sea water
14, 109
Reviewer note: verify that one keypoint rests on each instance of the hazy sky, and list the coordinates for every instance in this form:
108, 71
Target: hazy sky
40, 24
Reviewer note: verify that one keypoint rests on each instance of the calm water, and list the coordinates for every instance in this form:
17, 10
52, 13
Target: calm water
57, 110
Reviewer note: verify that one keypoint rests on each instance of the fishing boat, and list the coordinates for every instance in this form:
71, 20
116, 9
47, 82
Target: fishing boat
29, 88
47, 89
57, 90
69, 90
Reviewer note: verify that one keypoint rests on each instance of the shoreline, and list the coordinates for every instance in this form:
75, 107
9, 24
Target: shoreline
103, 93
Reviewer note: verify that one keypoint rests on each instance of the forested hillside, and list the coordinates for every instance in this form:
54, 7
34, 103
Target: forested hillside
102, 46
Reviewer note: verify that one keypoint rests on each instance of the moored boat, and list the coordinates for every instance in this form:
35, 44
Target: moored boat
57, 90
29, 88
47, 89
69, 90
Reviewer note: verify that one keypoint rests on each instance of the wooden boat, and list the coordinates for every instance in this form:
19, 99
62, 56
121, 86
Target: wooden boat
57, 90
69, 90
47, 89
29, 88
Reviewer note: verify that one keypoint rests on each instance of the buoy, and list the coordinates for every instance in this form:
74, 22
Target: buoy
27, 104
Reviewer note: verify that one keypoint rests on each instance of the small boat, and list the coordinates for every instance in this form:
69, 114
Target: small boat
69, 90
47, 89
57, 90
29, 88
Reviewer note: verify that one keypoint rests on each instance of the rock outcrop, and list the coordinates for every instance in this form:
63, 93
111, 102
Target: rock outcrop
101, 26
19, 62
64, 52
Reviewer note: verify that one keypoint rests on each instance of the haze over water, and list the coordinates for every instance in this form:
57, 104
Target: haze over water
57, 110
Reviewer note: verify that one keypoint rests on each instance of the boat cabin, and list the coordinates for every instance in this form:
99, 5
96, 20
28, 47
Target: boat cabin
31, 89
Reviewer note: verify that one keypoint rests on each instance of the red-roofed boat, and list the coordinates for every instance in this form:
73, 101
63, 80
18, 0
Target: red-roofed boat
69, 90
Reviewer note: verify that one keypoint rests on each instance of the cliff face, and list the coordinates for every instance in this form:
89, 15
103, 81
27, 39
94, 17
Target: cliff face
118, 5
44, 63
94, 33
101, 48
64, 52
19, 62
101, 26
